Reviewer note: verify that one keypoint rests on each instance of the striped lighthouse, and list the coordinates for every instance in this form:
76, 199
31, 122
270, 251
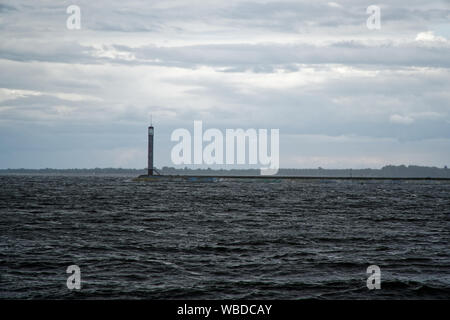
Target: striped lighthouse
150, 150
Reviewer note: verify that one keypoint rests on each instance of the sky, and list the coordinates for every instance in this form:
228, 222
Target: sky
342, 95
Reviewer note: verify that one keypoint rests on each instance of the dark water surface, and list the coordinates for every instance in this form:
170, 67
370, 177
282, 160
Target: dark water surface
174, 240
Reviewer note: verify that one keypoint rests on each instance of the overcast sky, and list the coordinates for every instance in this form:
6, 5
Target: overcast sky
341, 95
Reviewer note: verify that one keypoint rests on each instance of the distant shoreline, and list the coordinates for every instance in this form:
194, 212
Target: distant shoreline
385, 172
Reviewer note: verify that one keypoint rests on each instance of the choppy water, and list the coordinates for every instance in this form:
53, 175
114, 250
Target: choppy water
170, 240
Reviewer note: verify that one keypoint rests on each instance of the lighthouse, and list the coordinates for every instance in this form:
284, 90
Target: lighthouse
150, 150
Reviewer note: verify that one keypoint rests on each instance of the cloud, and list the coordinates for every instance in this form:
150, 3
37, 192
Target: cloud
429, 36
334, 5
6, 8
396, 118
267, 57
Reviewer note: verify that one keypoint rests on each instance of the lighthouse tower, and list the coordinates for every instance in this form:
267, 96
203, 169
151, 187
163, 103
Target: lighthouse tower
150, 150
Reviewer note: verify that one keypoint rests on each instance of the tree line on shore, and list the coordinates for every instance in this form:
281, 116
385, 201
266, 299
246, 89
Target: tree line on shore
401, 171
